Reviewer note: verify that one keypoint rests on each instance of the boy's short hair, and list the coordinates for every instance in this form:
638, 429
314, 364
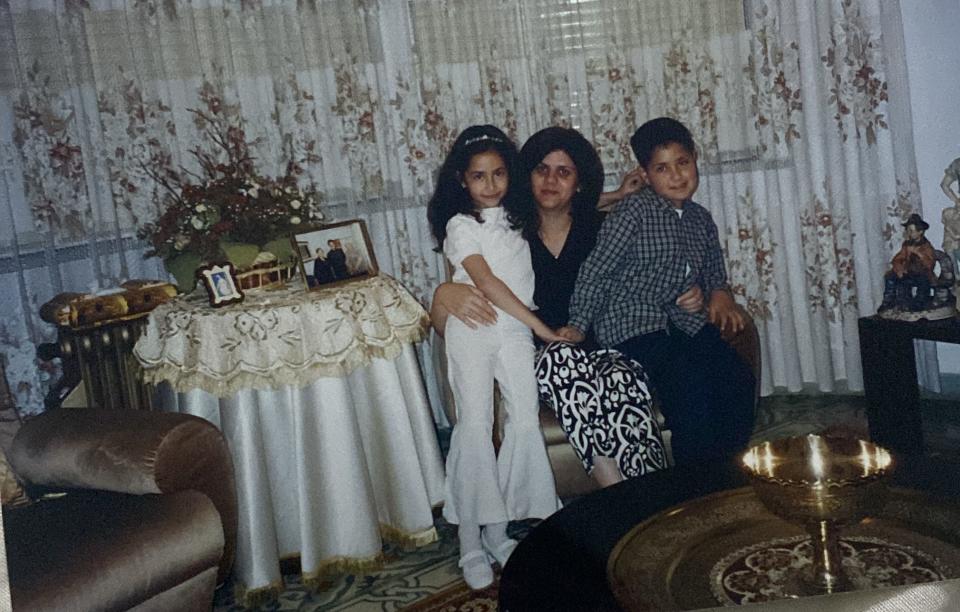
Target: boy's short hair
658, 133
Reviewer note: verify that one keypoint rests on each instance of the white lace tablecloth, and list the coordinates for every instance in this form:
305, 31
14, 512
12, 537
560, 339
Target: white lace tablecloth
322, 403
275, 338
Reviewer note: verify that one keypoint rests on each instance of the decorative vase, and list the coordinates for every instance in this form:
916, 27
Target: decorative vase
182, 268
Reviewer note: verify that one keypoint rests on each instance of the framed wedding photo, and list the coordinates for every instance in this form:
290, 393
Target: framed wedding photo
220, 281
334, 254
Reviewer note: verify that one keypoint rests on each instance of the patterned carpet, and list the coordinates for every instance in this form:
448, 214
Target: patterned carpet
405, 577
428, 579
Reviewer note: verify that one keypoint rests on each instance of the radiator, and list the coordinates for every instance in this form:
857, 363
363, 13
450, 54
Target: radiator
96, 334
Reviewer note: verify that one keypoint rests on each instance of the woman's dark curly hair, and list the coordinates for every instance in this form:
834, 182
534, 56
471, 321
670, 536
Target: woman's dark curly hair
589, 173
451, 198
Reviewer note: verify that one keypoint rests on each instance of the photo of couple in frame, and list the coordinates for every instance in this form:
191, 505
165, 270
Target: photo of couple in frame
333, 254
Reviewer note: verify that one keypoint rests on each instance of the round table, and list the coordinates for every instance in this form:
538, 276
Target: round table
320, 397
562, 563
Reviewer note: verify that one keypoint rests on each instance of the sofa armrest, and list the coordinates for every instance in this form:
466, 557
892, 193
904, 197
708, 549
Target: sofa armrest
136, 452
747, 344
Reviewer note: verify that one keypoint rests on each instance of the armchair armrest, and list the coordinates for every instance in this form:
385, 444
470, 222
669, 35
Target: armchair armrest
136, 452
746, 343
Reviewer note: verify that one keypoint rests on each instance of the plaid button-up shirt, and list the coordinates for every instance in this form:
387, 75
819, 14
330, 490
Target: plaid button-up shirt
629, 283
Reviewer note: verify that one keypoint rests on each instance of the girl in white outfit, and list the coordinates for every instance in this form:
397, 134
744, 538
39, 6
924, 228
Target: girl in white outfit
472, 217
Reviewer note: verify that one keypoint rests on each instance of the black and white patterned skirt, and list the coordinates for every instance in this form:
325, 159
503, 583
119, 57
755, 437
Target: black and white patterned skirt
603, 403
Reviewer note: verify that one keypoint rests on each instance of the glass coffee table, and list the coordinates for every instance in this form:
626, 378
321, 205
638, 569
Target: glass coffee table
618, 549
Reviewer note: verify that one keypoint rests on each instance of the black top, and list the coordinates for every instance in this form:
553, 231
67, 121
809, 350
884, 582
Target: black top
556, 276
322, 272
338, 262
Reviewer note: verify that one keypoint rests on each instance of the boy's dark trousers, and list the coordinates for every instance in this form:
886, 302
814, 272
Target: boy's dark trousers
706, 391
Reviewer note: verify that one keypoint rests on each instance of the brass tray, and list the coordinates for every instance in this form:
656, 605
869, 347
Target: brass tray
687, 557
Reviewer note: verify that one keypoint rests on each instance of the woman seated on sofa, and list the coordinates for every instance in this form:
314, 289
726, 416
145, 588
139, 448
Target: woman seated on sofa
600, 397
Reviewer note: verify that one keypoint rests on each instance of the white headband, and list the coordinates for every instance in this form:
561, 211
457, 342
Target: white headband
481, 138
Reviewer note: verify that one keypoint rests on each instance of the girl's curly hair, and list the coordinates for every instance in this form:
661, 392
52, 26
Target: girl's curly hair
451, 198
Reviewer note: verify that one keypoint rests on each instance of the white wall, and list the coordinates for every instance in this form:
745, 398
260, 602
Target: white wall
931, 29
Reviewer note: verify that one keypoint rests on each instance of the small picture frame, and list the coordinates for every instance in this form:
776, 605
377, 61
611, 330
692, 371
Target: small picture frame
303, 250
333, 254
220, 281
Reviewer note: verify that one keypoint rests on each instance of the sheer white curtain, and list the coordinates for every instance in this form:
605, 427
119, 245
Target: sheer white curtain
798, 108
92, 92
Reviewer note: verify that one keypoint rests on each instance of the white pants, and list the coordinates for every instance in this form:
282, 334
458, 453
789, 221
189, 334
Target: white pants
483, 487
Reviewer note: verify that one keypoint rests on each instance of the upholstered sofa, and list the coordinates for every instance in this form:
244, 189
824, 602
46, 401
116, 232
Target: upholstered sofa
133, 510
568, 472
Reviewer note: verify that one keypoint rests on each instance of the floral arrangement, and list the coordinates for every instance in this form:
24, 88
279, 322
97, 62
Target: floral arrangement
229, 212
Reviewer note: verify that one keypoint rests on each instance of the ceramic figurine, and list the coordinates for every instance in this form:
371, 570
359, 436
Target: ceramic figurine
951, 216
912, 288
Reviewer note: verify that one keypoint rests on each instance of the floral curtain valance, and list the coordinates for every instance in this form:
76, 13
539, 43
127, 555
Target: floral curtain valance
798, 108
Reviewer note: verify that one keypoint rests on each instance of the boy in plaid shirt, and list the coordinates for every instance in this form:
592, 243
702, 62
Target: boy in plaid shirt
643, 288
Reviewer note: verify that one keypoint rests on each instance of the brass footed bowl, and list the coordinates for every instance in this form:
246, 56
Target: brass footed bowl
822, 483
814, 478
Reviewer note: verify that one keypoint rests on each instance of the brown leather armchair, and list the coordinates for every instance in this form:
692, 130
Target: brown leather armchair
144, 516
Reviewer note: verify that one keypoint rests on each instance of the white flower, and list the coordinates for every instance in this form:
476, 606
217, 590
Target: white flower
295, 204
253, 192
295, 220
200, 208
180, 242
196, 222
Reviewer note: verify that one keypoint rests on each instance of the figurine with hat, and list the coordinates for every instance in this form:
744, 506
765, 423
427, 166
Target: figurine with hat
912, 289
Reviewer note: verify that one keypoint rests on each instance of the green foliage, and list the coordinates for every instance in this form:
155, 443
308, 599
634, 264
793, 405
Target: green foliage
183, 267
282, 248
240, 254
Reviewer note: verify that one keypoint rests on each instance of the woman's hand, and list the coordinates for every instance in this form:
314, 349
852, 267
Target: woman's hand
632, 182
468, 304
724, 312
568, 333
465, 302
691, 300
